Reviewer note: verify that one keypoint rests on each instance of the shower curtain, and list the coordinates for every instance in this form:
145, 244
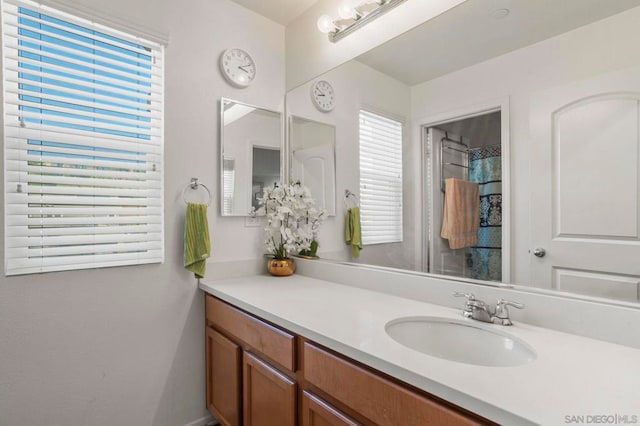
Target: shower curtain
484, 261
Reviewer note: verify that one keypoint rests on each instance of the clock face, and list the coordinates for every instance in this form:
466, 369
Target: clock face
323, 95
238, 67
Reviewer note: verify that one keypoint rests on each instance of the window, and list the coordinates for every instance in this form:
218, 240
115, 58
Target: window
83, 109
380, 179
228, 179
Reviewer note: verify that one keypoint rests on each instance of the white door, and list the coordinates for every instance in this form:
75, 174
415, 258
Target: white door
585, 210
315, 168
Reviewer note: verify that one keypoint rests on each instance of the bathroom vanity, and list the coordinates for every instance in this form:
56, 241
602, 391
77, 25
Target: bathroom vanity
264, 374
308, 351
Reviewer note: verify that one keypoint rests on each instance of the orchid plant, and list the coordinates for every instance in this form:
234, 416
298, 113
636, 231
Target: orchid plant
293, 220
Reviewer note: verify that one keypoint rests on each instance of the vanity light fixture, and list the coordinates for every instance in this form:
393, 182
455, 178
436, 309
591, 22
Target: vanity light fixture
354, 14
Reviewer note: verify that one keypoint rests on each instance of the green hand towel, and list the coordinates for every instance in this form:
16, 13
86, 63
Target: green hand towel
352, 231
197, 247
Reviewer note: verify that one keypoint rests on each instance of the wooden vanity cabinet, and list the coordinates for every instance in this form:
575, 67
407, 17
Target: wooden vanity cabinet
259, 374
250, 368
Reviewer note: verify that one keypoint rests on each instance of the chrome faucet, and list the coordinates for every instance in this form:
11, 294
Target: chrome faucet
481, 311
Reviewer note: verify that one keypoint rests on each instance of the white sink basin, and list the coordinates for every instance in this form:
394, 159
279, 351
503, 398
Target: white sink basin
461, 341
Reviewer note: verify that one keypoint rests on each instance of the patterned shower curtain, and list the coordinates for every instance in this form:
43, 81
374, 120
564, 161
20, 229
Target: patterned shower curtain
484, 261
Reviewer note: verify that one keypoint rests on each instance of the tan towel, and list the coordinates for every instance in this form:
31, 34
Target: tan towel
461, 217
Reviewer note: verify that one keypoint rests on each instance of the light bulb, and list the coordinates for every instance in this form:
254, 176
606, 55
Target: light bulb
346, 10
325, 24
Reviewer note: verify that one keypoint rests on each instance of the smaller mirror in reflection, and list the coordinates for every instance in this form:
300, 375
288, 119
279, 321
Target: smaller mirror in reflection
266, 171
251, 140
313, 160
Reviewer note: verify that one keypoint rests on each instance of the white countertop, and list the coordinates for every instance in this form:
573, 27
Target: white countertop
572, 375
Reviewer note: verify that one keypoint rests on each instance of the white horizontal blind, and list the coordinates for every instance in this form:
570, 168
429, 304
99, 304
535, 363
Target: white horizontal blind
83, 108
228, 184
380, 179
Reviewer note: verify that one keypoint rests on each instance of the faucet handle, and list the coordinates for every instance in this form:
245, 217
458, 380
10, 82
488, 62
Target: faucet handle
504, 303
469, 296
468, 306
502, 312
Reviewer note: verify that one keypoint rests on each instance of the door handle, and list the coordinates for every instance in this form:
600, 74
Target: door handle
539, 252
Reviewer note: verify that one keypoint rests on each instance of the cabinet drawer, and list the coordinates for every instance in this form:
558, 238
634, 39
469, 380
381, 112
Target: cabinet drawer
272, 342
376, 398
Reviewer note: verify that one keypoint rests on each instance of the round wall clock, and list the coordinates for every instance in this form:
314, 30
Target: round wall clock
237, 67
323, 96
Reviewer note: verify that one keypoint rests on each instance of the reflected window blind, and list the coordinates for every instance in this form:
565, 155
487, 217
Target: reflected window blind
83, 108
228, 179
380, 179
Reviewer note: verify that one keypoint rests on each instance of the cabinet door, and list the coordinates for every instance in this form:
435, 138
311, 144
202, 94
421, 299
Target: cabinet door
223, 378
269, 396
316, 412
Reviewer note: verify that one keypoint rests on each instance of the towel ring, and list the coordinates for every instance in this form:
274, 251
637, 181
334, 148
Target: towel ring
194, 184
348, 194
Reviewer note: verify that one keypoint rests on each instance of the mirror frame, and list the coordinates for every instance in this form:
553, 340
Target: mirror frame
283, 148
289, 144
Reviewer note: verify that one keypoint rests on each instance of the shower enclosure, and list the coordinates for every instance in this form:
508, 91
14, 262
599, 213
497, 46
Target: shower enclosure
469, 150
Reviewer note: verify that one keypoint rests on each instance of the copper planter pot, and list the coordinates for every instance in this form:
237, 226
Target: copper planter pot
281, 267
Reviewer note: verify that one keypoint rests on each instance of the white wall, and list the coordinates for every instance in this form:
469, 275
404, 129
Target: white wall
352, 83
308, 134
601, 47
310, 53
124, 346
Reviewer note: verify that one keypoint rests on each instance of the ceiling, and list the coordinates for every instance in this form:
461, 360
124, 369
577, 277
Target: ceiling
469, 34
281, 11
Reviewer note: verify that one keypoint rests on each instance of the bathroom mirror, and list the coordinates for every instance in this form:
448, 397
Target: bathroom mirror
525, 108
251, 154
313, 163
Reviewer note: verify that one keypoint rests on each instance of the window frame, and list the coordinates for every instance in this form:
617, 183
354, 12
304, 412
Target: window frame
68, 153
